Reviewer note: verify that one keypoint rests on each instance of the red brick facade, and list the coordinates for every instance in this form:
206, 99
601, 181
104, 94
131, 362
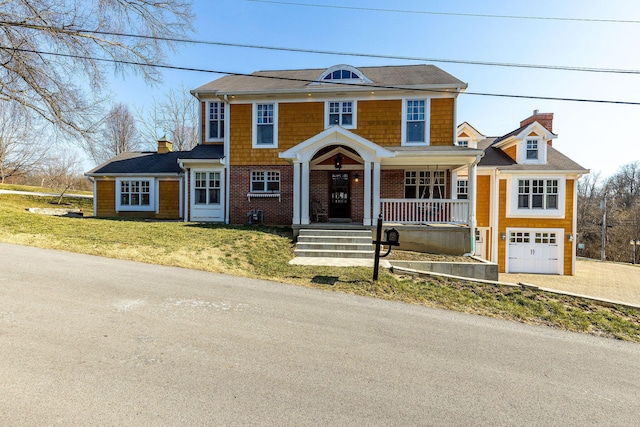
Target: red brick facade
276, 210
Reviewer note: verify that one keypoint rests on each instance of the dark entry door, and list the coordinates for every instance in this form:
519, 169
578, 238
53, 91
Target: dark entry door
340, 197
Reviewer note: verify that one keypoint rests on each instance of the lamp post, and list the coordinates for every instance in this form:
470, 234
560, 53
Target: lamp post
635, 244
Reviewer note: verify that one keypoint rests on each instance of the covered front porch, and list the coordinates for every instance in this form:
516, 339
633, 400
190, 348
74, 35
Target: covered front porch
339, 176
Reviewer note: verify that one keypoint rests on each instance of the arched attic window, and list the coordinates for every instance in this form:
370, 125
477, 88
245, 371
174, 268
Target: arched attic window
344, 74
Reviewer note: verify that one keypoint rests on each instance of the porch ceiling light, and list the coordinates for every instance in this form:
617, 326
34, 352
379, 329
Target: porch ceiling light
357, 177
338, 161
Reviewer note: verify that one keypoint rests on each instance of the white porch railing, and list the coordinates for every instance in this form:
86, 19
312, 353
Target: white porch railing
424, 211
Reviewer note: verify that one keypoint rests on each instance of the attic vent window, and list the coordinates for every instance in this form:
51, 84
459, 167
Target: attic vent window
342, 75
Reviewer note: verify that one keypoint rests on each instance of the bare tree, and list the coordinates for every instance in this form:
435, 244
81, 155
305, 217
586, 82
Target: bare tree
176, 117
50, 49
60, 172
21, 143
119, 135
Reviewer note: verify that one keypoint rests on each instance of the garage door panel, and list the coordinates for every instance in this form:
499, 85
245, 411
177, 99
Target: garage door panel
534, 251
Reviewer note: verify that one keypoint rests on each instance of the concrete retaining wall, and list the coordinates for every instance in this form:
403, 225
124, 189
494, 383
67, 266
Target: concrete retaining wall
475, 270
446, 240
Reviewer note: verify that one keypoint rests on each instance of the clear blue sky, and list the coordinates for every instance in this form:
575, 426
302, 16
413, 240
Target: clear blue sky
598, 136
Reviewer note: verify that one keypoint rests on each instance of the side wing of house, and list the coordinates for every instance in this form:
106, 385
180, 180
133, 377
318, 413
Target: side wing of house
526, 209
139, 184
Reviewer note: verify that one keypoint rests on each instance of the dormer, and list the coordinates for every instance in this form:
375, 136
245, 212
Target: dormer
527, 145
468, 136
342, 73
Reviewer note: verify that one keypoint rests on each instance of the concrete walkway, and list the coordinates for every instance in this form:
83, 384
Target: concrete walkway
602, 280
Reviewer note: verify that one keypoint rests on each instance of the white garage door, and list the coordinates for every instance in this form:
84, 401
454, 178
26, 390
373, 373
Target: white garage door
535, 251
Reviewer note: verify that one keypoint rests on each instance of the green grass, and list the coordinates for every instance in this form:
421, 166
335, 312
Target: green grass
262, 252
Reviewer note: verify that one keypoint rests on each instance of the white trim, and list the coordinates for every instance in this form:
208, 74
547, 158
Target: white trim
560, 236
95, 194
521, 152
206, 212
574, 227
354, 113
362, 78
427, 121
254, 125
206, 119
513, 211
153, 188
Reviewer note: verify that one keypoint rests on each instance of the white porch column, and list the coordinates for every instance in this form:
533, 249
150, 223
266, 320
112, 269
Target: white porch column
376, 191
472, 203
296, 193
367, 193
304, 194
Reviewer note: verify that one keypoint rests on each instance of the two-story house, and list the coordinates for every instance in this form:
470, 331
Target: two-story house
316, 148
526, 198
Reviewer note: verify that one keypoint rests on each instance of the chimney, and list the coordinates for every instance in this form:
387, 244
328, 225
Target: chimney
164, 145
545, 119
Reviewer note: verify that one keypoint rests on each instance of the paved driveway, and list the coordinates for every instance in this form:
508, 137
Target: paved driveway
605, 280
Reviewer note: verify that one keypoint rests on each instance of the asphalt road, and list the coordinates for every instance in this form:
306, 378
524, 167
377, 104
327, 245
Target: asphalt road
93, 341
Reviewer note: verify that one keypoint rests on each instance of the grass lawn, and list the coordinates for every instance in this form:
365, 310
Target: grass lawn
264, 253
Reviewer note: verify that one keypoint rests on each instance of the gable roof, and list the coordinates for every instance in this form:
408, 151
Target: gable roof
496, 158
152, 163
307, 80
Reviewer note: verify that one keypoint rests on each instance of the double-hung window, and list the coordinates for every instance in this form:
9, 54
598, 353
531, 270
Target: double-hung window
462, 189
341, 113
134, 194
532, 149
265, 131
207, 188
416, 121
215, 120
538, 194
265, 181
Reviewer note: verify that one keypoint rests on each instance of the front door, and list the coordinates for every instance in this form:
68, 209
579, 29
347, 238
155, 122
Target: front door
340, 196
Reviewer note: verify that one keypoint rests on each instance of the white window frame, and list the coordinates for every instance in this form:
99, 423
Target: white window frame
462, 184
207, 187
354, 113
256, 124
266, 174
221, 117
542, 151
151, 207
513, 211
427, 121
463, 142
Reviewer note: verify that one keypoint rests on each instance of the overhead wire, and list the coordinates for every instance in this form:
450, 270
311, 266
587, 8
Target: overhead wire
329, 52
459, 14
368, 86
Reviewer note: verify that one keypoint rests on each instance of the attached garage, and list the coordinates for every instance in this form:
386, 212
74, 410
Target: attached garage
535, 251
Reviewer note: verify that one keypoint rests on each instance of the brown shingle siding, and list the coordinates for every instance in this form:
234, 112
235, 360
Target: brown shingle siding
442, 121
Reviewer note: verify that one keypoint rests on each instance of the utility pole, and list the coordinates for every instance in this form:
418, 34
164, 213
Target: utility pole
603, 206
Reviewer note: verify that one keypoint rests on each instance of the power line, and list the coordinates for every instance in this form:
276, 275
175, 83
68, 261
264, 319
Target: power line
328, 52
368, 86
473, 15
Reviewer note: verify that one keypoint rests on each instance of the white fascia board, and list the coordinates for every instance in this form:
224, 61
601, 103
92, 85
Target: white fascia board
542, 172
452, 89
207, 162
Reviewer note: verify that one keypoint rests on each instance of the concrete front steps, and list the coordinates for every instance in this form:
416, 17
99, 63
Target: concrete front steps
323, 243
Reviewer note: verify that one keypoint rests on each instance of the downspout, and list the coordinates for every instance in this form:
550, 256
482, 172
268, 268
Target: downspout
473, 190
185, 193
227, 169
